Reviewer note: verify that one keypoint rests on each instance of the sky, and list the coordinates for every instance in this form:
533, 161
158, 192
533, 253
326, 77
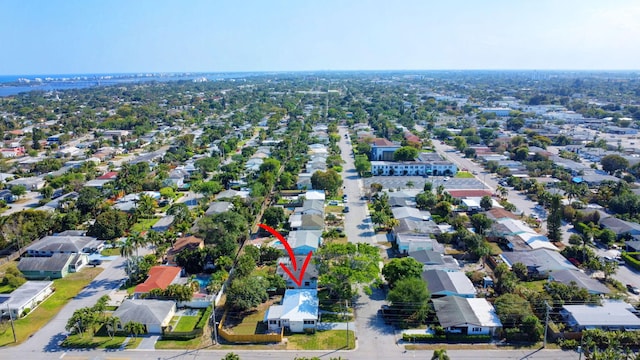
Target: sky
144, 36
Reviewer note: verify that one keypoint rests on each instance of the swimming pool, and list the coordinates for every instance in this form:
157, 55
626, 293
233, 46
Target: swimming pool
203, 280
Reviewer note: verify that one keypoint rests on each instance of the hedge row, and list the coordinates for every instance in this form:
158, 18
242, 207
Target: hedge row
449, 337
630, 258
203, 320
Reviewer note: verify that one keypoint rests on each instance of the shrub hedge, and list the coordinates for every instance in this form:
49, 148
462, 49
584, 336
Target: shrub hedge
458, 338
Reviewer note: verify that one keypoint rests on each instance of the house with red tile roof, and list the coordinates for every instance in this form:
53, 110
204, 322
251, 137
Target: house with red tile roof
111, 175
159, 278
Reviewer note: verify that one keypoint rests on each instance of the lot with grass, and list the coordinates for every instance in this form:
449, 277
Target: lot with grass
180, 344
100, 342
144, 224
321, 340
186, 323
537, 285
66, 289
464, 175
250, 322
110, 252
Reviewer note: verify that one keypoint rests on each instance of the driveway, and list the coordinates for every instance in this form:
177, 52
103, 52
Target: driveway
47, 338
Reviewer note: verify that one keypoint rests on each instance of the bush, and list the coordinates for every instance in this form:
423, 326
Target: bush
203, 320
568, 344
456, 338
26, 311
630, 259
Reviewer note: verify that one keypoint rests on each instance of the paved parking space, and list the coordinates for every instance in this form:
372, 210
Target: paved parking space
400, 182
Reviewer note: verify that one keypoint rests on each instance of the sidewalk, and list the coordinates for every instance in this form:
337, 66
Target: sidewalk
337, 326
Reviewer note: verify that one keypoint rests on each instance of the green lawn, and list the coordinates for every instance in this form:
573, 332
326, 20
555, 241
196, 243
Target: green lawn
5, 289
537, 285
495, 249
144, 224
333, 209
100, 342
175, 344
464, 174
321, 340
66, 289
110, 252
186, 323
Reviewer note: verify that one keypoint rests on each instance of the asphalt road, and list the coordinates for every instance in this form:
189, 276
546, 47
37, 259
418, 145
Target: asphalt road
46, 339
357, 224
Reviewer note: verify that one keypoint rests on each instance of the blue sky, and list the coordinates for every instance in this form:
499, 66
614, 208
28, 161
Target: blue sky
97, 36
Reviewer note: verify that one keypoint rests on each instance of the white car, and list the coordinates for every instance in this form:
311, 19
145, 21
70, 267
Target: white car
446, 178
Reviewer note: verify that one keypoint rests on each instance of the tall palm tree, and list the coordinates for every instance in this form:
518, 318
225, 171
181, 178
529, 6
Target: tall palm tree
137, 240
126, 250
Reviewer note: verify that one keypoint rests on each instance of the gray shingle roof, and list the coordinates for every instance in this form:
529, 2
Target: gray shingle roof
581, 280
57, 262
26, 292
144, 311
454, 282
455, 311
62, 243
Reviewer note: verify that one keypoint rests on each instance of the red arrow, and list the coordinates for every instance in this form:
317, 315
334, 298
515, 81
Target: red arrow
284, 242
292, 256
298, 281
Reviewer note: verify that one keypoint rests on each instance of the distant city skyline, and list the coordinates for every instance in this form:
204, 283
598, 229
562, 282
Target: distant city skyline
164, 36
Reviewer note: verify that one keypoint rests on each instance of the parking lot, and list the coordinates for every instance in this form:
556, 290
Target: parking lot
400, 182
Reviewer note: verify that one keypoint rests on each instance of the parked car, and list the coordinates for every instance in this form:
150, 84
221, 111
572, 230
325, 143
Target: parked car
346, 209
632, 289
95, 262
446, 178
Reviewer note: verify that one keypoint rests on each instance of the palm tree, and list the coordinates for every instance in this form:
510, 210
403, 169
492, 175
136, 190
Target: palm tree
136, 240
126, 250
440, 354
502, 191
134, 328
111, 324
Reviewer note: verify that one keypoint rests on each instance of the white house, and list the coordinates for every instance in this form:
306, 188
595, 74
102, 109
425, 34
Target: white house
467, 316
445, 283
611, 315
155, 315
413, 168
26, 297
298, 312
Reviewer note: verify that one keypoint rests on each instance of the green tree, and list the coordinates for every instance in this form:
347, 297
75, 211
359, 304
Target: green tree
245, 265
110, 224
512, 309
486, 203
89, 200
426, 200
460, 143
329, 181
231, 356
405, 153
554, 222
46, 192
168, 193
410, 298
612, 163
401, 268
532, 327
520, 270
273, 216
145, 206
481, 223
18, 190
440, 354
246, 293
134, 328
362, 164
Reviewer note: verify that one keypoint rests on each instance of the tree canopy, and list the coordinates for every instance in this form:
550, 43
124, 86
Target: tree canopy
401, 268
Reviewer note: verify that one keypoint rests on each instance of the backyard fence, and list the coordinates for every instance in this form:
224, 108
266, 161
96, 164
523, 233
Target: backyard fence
253, 338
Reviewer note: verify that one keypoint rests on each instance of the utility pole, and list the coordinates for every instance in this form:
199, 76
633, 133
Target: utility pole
546, 324
346, 309
13, 329
215, 325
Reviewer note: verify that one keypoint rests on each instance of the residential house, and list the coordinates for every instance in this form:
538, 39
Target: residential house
611, 315
159, 278
155, 315
435, 260
163, 224
445, 283
518, 235
230, 194
64, 244
581, 280
25, 298
315, 195
311, 222
408, 242
413, 168
7, 196
181, 244
310, 276
55, 266
298, 312
411, 213
539, 262
97, 183
177, 178
468, 316
620, 227
304, 181
311, 207
30, 183
302, 241
403, 198
218, 207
